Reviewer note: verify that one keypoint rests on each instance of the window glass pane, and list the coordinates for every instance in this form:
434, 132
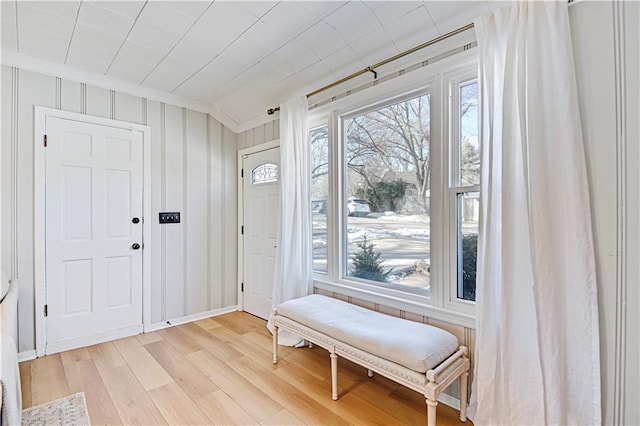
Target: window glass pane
469, 148
468, 206
319, 138
387, 197
264, 173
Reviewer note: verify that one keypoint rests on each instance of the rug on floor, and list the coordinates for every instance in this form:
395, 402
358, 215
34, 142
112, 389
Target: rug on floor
70, 410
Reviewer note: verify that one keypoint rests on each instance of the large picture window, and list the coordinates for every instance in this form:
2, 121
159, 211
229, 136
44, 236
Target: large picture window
396, 195
387, 193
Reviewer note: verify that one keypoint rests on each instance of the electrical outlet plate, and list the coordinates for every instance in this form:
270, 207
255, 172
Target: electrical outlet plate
169, 217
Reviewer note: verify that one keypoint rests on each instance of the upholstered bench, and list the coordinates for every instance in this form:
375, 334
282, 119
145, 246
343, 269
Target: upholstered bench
423, 358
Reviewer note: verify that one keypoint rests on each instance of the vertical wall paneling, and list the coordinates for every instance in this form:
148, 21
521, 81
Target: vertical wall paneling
216, 190
193, 170
276, 129
197, 230
83, 98
248, 137
72, 96
258, 135
241, 141
268, 131
231, 218
127, 108
97, 101
156, 251
174, 190
33, 89
58, 93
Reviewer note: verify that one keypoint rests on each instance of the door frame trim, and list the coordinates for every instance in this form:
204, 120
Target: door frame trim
40, 117
241, 153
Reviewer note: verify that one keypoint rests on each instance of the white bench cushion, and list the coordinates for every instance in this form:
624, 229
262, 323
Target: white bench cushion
419, 347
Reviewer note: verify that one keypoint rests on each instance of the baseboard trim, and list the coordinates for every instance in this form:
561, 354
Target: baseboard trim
26, 355
66, 345
189, 318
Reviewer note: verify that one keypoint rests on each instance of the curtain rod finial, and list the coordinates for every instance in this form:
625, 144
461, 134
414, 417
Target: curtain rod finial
272, 111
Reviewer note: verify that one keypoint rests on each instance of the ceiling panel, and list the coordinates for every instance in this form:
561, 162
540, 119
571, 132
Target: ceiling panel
354, 20
390, 11
449, 16
89, 57
238, 56
65, 9
164, 19
412, 29
323, 39
93, 15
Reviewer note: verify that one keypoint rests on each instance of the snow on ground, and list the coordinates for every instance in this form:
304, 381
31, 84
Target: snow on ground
395, 217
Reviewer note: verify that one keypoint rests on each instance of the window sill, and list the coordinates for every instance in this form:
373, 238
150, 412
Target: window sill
407, 302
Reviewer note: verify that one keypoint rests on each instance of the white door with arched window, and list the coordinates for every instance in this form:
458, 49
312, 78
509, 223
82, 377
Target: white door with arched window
261, 199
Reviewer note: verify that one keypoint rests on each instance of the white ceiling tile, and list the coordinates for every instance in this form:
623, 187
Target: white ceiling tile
209, 40
141, 52
374, 47
64, 9
96, 37
229, 17
290, 18
258, 8
322, 8
387, 11
322, 38
152, 38
297, 55
92, 15
128, 68
262, 37
43, 21
354, 20
412, 29
128, 8
34, 41
181, 67
343, 62
163, 80
187, 51
449, 16
165, 19
89, 57
189, 8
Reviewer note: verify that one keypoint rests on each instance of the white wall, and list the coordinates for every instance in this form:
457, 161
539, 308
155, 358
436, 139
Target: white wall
606, 52
193, 170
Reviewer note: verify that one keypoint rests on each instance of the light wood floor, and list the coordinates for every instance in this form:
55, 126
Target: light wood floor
219, 371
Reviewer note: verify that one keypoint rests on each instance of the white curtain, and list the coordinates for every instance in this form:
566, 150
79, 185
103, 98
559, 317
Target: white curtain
293, 269
537, 348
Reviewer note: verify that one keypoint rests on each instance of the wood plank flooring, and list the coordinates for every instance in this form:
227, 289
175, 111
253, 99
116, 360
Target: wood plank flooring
219, 371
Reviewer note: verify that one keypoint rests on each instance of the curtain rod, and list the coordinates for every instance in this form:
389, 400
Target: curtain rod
372, 68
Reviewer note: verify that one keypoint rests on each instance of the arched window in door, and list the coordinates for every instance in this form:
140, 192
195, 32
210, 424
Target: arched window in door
264, 173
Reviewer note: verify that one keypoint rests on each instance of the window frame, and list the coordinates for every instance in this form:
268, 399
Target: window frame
432, 79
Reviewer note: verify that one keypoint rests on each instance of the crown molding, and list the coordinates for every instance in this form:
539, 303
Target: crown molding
68, 72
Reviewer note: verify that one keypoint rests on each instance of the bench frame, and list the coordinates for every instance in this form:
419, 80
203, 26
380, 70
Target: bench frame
430, 384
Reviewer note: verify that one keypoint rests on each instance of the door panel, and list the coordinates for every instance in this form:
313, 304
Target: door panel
93, 190
261, 203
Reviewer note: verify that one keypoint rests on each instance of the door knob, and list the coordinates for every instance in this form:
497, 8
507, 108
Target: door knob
135, 246
135, 220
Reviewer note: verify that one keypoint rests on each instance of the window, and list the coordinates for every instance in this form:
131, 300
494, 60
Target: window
387, 193
465, 184
264, 173
319, 139
395, 193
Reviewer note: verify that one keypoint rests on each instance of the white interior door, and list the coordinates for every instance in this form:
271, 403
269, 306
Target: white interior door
93, 231
261, 203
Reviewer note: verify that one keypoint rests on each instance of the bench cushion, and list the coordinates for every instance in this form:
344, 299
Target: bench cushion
419, 347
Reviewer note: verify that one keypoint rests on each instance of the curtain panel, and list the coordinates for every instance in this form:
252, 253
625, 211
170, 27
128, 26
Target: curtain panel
537, 339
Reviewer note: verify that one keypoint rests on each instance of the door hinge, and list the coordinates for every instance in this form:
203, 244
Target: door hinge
46, 310
45, 141
241, 173
242, 230
242, 287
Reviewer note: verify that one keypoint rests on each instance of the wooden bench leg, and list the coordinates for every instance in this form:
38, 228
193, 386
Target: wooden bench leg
463, 396
275, 344
369, 373
431, 412
334, 376
310, 345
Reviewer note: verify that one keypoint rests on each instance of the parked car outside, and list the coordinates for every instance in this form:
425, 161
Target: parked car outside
358, 207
